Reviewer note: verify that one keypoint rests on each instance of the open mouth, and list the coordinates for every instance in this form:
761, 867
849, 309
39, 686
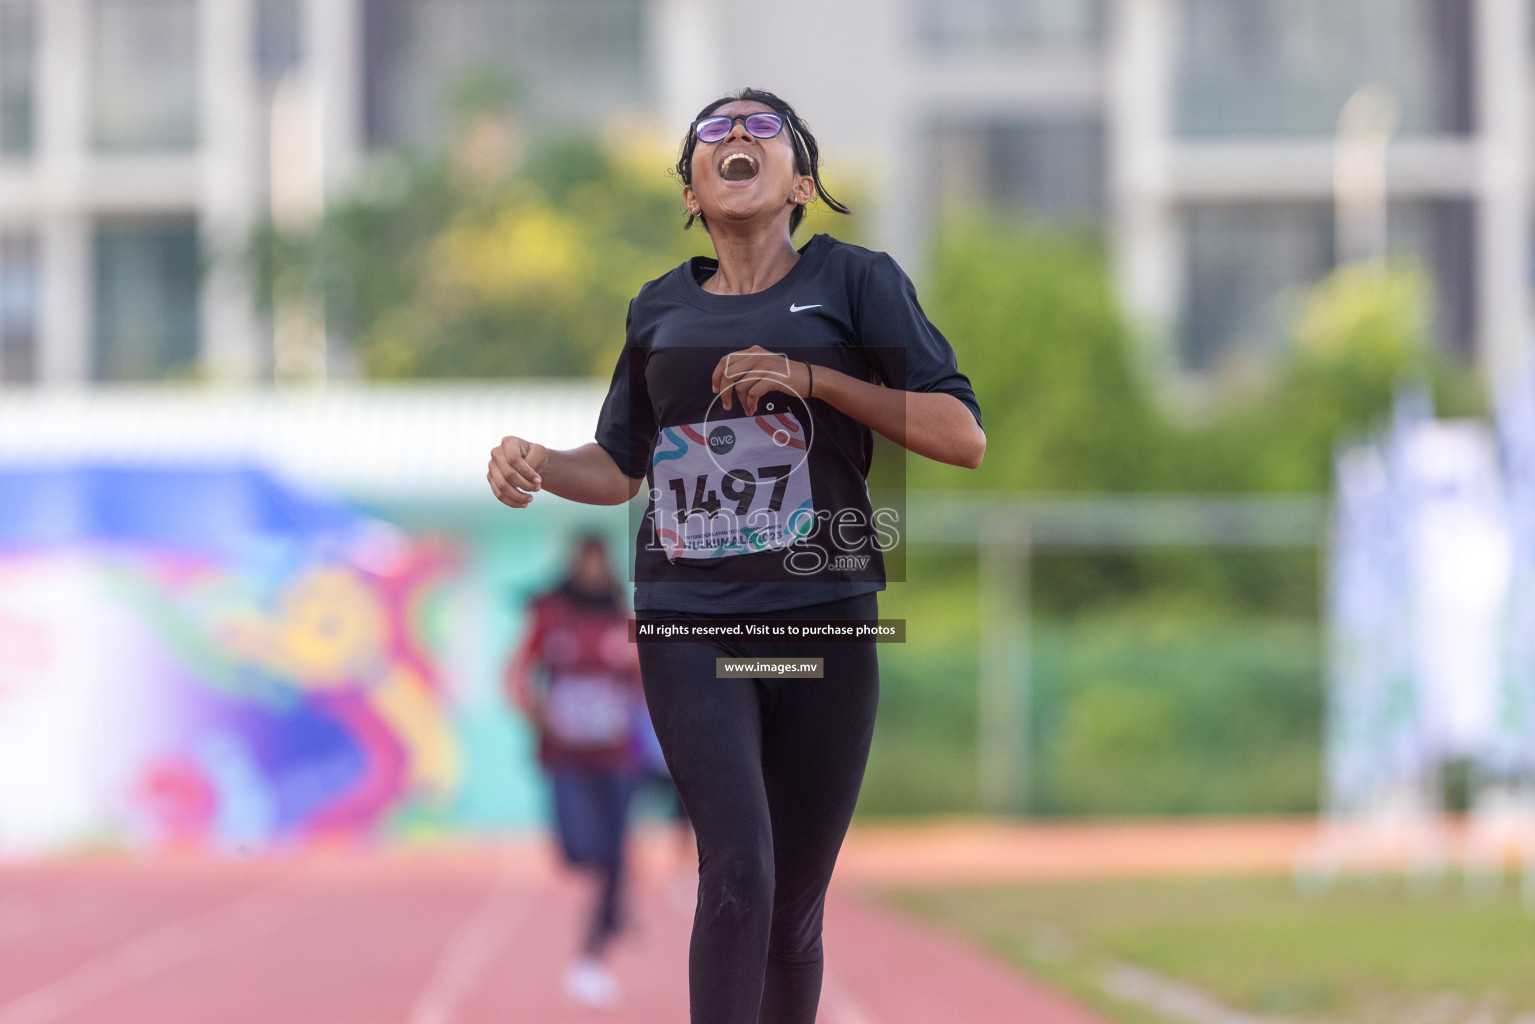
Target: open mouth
738, 167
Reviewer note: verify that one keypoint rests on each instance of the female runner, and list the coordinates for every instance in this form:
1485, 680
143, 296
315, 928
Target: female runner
745, 395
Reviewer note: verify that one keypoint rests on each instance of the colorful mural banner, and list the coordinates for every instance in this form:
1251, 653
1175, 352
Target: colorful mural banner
205, 656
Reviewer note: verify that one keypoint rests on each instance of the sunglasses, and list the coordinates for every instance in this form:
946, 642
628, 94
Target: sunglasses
758, 125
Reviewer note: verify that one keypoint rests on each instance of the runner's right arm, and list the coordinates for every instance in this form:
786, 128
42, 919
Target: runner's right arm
586, 474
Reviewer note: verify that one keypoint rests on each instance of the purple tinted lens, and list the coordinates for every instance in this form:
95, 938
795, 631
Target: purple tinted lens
764, 126
713, 129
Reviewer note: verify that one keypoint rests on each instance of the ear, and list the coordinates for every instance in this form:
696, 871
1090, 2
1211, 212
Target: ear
689, 199
803, 190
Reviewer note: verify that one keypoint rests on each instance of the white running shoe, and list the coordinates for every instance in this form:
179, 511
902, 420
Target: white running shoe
589, 982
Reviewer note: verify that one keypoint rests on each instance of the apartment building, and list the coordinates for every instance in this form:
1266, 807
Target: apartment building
138, 147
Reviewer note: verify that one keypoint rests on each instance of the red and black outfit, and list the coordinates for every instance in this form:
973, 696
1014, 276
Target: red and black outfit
591, 693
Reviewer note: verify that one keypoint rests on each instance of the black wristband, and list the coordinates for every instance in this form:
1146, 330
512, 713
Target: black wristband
809, 380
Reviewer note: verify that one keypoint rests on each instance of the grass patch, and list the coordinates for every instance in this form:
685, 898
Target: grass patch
1361, 953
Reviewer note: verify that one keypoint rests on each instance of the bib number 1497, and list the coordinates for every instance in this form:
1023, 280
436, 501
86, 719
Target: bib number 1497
739, 486
732, 487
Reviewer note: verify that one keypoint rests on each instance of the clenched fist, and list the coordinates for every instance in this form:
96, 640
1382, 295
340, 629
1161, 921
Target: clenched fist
514, 468
749, 374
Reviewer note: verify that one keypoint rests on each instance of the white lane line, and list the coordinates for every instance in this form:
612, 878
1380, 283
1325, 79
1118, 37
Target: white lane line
471, 948
1173, 1000
151, 953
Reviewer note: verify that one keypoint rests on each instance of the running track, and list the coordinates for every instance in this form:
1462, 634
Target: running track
470, 937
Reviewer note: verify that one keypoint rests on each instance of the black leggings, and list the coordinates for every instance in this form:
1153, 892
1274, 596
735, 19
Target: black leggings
769, 771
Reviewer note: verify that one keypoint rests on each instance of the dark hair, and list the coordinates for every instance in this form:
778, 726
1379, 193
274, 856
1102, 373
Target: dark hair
588, 541
582, 545
807, 155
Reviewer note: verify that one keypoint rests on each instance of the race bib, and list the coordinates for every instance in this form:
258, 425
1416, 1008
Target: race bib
732, 487
588, 712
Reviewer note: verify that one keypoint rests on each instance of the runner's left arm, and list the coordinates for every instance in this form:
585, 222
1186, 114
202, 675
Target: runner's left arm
921, 401
934, 424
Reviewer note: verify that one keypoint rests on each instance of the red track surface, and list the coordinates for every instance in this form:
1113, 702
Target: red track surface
482, 936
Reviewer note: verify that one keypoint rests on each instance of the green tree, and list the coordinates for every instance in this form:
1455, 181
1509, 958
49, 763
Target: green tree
1357, 337
1035, 325
1034, 321
483, 261
472, 264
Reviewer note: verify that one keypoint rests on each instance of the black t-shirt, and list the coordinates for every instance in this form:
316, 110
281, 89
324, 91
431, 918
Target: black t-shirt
768, 512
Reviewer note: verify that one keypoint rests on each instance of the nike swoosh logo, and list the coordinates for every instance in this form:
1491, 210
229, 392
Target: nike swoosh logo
795, 309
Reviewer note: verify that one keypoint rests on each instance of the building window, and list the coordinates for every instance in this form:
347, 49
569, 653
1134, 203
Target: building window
1047, 168
1248, 264
1010, 24
279, 37
1441, 235
146, 289
18, 50
18, 307
144, 63
1245, 265
1286, 67
555, 58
